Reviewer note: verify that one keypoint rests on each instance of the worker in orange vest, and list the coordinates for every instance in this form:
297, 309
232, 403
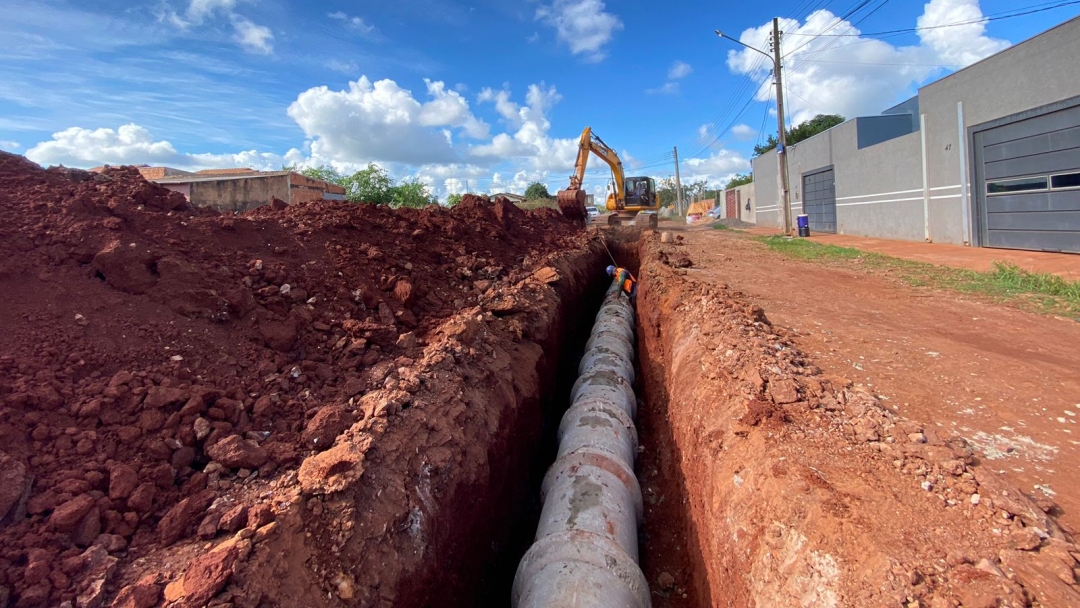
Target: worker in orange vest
627, 282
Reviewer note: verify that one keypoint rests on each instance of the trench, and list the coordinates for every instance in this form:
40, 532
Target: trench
487, 510
666, 529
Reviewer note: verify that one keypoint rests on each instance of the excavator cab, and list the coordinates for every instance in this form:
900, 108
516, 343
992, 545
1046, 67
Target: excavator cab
640, 191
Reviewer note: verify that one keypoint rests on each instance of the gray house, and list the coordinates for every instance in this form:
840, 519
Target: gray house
988, 156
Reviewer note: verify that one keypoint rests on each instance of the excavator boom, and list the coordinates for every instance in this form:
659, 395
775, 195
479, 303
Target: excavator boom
572, 200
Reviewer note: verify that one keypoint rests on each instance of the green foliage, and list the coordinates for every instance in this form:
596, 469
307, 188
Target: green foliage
665, 188
740, 179
667, 191
454, 200
805, 130
695, 190
410, 193
369, 185
1040, 291
537, 191
373, 185
324, 173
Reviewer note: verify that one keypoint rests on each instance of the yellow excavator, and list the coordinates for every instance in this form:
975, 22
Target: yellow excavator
632, 195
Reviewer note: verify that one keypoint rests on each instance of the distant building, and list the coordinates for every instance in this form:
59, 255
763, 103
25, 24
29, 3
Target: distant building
151, 173
240, 190
513, 198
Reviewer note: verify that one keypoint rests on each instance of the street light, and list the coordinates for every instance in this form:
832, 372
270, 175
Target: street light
781, 149
723, 35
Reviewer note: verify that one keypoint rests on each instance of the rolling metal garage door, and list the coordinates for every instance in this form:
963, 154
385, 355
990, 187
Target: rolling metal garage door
1028, 176
819, 200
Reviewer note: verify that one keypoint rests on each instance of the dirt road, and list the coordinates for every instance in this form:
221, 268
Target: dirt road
1008, 381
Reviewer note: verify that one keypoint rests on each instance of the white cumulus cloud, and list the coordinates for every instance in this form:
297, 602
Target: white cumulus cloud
854, 75
8, 145
679, 70
741, 131
132, 144
249, 35
584, 25
253, 37
531, 141
962, 44
668, 88
506, 108
353, 22
382, 122
716, 169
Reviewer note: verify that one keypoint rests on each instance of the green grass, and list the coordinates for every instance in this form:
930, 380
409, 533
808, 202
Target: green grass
549, 203
1040, 291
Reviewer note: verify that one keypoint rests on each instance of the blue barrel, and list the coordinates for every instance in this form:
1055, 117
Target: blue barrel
804, 225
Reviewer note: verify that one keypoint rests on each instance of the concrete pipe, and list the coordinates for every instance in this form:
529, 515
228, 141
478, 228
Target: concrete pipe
613, 320
605, 384
578, 569
605, 355
586, 548
600, 426
588, 490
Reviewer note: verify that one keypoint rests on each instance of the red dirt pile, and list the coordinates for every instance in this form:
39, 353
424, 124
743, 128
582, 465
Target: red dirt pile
155, 357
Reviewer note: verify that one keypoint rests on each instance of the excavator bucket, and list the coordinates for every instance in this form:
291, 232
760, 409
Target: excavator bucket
572, 204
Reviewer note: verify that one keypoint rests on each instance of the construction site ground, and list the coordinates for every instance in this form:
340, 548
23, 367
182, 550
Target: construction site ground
330, 404
1066, 265
1006, 380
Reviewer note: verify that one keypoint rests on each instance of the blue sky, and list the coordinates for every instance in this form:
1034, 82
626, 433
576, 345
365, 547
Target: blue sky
495, 92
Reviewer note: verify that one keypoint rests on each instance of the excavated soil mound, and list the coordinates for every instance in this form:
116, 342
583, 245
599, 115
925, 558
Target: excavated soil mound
154, 357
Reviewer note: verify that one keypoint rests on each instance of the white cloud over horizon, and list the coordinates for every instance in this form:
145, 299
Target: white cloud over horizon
132, 144
844, 75
378, 122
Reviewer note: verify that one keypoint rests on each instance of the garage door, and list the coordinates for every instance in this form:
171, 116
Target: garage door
819, 200
1029, 182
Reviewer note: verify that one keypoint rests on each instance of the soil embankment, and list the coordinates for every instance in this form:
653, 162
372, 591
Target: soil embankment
792, 487
322, 404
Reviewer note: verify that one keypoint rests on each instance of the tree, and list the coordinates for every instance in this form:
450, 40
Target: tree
665, 188
805, 130
536, 191
695, 190
453, 200
740, 179
324, 173
370, 185
410, 193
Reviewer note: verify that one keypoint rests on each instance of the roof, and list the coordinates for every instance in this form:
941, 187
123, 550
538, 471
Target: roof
186, 179
509, 195
236, 171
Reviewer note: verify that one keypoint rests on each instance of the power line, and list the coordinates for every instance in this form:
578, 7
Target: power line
998, 17
764, 119
922, 65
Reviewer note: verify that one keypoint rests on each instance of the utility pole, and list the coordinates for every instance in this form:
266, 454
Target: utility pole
781, 149
678, 184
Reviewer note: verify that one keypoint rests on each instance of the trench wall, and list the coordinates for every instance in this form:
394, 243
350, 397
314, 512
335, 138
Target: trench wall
414, 506
794, 487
